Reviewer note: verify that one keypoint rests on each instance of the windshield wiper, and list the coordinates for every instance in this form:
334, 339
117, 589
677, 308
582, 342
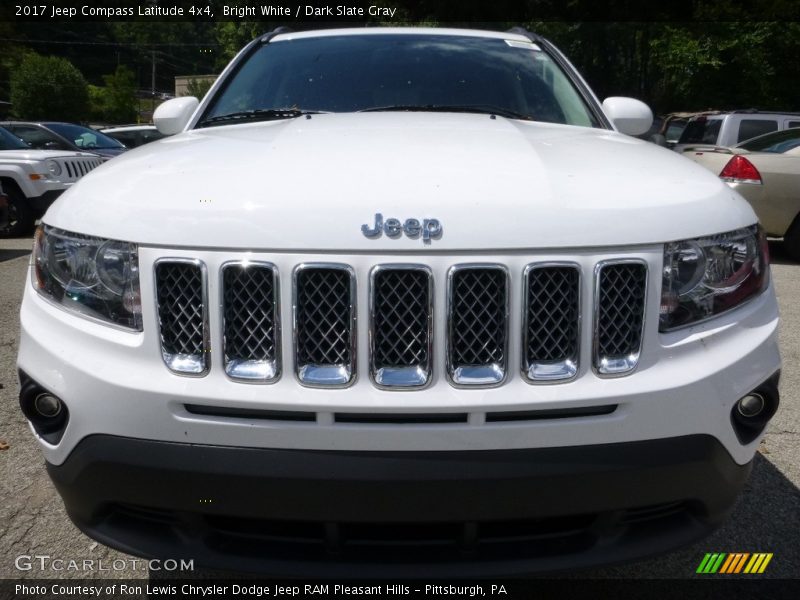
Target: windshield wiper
486, 109
258, 114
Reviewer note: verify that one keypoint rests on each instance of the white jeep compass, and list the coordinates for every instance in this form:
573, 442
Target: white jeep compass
399, 301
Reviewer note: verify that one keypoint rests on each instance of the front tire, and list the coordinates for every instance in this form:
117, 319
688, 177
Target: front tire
21, 217
791, 240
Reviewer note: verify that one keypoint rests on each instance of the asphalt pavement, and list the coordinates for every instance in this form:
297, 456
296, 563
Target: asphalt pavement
33, 521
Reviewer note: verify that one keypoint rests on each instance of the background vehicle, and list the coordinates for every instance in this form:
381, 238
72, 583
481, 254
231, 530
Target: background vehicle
440, 339
3, 208
49, 135
133, 136
731, 128
766, 171
33, 179
667, 129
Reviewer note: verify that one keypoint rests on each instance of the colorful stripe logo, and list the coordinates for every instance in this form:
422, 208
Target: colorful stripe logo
734, 563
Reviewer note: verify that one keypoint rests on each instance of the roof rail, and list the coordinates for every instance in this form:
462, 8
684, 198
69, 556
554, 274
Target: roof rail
755, 111
519, 30
277, 31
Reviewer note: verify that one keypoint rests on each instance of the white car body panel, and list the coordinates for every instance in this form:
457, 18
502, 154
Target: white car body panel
251, 186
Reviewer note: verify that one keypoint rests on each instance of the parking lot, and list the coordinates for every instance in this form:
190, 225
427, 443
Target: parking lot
766, 519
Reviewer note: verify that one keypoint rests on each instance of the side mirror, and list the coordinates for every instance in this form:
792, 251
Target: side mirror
173, 115
629, 116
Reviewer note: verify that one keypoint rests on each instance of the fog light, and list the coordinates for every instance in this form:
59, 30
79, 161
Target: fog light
751, 405
751, 413
47, 405
47, 413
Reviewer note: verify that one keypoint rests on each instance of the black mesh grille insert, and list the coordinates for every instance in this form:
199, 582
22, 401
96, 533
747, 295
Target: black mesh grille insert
179, 288
323, 316
552, 313
400, 319
249, 310
620, 313
478, 317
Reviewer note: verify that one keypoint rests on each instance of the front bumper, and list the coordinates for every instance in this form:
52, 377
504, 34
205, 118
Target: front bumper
430, 514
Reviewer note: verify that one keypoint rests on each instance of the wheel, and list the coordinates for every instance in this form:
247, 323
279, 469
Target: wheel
20, 216
791, 240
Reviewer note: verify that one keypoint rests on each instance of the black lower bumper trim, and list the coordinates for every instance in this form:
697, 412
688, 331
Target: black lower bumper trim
426, 514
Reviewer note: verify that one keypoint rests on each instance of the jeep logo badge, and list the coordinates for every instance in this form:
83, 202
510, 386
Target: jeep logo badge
428, 229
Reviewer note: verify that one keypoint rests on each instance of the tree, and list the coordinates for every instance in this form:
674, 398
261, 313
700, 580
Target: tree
48, 87
198, 87
120, 96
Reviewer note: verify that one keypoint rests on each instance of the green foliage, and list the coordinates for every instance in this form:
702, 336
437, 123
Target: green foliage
198, 88
722, 64
232, 36
120, 91
97, 103
116, 102
718, 57
48, 87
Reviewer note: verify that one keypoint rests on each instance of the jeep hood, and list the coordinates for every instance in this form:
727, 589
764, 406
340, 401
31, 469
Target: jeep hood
310, 183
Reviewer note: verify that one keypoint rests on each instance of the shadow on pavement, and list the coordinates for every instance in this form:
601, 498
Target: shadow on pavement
12, 254
777, 253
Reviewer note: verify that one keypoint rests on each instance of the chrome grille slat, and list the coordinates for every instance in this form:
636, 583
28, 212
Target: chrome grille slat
324, 324
477, 325
251, 321
182, 305
401, 318
551, 322
620, 295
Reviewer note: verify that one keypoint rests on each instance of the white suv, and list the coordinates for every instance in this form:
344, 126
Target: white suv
33, 179
399, 301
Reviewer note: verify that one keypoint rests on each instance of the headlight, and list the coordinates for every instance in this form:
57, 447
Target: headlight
92, 276
54, 168
710, 275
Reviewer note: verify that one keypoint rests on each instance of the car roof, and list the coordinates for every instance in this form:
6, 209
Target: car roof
719, 114
499, 35
128, 128
40, 123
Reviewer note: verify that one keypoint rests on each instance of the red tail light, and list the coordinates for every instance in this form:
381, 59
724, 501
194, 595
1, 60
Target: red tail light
740, 170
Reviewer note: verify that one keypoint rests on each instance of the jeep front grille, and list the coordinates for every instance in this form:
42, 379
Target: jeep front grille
401, 334
251, 321
619, 315
551, 327
75, 168
399, 318
181, 294
477, 324
324, 324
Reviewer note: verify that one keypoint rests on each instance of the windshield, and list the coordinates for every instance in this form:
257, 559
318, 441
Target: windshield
349, 73
8, 141
774, 142
83, 137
